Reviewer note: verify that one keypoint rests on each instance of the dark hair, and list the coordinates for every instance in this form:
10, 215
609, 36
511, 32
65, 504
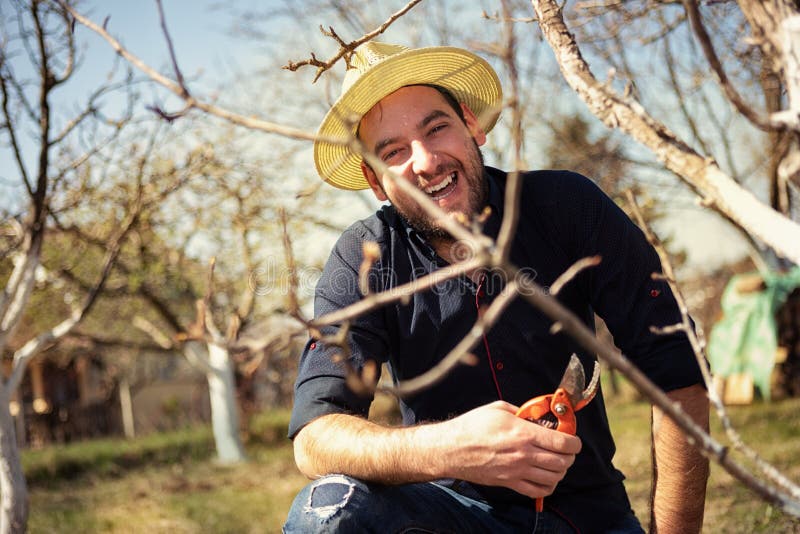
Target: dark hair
451, 100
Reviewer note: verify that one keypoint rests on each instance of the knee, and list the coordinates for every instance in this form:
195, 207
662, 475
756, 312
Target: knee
325, 505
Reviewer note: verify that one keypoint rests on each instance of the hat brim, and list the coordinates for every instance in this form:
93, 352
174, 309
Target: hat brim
468, 77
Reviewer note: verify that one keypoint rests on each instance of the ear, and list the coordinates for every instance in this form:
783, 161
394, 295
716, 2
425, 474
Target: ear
373, 182
473, 125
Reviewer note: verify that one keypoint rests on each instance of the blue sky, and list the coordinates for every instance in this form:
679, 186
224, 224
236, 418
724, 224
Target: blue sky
202, 33
207, 49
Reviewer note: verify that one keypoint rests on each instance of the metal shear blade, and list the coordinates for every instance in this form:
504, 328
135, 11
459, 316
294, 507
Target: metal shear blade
574, 383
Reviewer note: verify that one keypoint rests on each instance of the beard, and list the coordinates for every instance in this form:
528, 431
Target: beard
477, 197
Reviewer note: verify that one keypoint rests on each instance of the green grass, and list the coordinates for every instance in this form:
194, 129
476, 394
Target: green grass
170, 483
110, 457
164, 483
772, 430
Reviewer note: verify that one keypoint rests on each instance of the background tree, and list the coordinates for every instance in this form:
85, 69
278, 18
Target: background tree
196, 263
56, 155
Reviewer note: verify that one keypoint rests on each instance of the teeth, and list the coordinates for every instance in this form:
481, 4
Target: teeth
441, 185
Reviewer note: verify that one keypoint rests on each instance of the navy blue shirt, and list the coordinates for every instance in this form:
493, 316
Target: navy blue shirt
563, 217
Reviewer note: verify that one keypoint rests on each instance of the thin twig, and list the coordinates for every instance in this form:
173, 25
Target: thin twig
294, 302
496, 17
399, 293
235, 118
670, 329
346, 49
371, 253
508, 226
171, 49
572, 272
731, 93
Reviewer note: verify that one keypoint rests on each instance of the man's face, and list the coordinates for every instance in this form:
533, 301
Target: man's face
419, 137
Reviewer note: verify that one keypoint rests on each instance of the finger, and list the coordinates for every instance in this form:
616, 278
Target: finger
566, 443
550, 461
553, 440
532, 489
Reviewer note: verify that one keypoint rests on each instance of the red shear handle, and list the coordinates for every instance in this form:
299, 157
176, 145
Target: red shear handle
557, 404
536, 408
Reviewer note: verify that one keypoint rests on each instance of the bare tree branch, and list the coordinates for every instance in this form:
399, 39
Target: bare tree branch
572, 272
171, 48
703, 175
688, 117
400, 293
508, 227
9, 126
156, 334
32, 347
294, 302
731, 93
346, 49
182, 92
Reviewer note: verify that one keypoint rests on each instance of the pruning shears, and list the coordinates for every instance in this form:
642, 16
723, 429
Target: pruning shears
557, 410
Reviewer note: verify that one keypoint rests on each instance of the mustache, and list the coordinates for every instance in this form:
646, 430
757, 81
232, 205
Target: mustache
424, 180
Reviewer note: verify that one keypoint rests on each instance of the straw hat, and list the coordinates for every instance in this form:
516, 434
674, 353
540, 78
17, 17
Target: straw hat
379, 69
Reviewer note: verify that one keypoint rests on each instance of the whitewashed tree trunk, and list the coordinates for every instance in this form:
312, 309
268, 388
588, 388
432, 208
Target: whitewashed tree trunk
126, 407
15, 296
14, 499
224, 410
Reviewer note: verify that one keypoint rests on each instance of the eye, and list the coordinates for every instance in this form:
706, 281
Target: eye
391, 154
437, 128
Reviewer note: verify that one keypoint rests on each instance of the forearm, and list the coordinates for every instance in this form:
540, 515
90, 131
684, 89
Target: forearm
351, 445
488, 445
680, 470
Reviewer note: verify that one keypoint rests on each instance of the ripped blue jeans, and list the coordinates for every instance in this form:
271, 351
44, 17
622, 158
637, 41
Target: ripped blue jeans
338, 503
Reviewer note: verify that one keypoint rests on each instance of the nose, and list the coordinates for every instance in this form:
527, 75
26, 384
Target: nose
424, 161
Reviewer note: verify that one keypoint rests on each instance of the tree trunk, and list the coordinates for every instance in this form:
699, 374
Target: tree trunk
126, 407
224, 411
13, 489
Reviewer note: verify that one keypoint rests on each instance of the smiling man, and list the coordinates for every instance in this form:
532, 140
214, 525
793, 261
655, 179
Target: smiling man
431, 142
462, 461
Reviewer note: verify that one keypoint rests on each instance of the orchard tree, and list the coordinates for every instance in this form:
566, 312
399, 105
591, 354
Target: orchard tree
53, 152
198, 261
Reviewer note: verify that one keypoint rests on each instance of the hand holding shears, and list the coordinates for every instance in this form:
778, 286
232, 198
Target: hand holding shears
557, 410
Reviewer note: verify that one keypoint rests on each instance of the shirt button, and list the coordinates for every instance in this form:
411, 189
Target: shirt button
654, 293
499, 366
313, 346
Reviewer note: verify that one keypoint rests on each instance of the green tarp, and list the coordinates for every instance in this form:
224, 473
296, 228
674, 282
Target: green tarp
745, 339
